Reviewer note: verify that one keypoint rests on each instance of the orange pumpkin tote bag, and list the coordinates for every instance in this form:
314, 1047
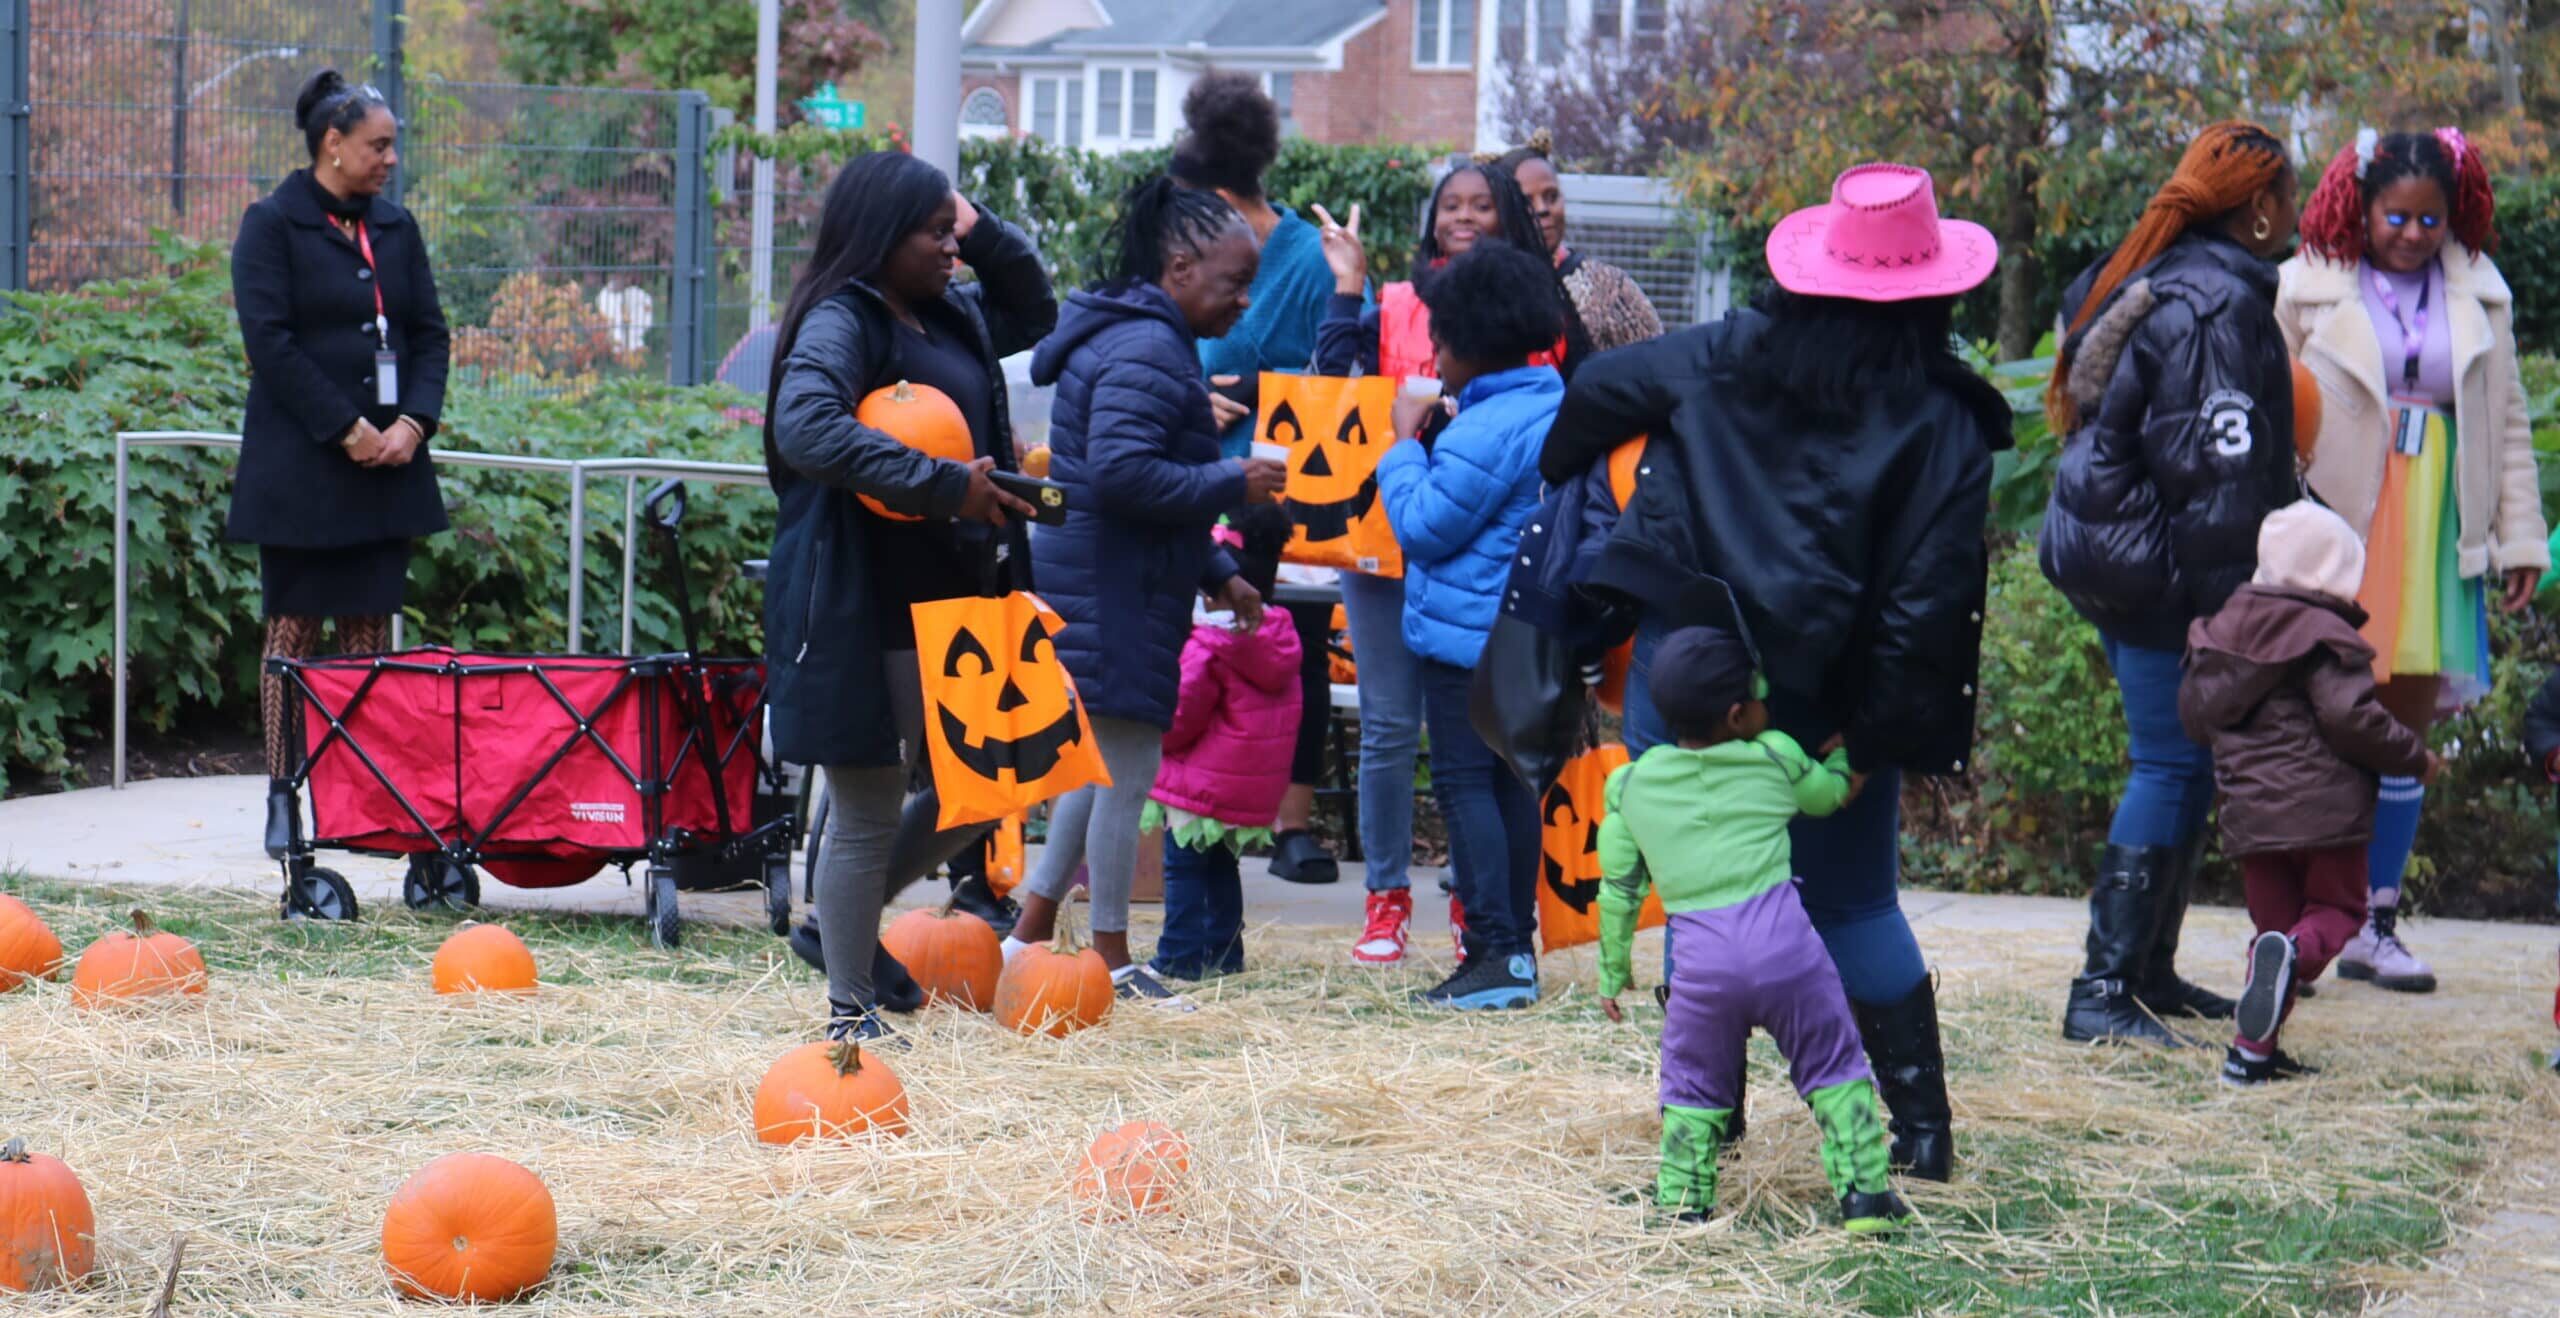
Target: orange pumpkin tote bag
1002, 721
1335, 429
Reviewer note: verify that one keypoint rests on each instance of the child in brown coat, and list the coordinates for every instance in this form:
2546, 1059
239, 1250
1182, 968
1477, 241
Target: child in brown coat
2281, 687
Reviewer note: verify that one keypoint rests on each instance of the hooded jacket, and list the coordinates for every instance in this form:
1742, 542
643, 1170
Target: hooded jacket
1133, 441
2280, 686
1227, 754
823, 637
1857, 554
2185, 395
1459, 506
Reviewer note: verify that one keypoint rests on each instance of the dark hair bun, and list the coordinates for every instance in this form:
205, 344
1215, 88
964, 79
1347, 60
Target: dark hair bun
316, 91
1231, 133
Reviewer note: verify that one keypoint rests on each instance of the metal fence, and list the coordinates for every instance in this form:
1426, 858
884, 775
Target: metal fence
570, 227
1638, 225
743, 334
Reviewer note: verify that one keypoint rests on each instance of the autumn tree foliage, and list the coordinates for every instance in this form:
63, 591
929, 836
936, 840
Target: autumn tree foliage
704, 45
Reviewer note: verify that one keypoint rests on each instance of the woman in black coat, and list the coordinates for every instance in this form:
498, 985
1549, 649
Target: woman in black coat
874, 306
1828, 457
346, 377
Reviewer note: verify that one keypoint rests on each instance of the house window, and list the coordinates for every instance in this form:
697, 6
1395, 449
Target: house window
1511, 31
1538, 29
1057, 110
1444, 34
1106, 103
1284, 95
1552, 43
1142, 104
1605, 25
1652, 20
983, 109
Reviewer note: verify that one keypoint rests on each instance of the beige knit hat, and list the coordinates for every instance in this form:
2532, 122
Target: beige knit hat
2303, 546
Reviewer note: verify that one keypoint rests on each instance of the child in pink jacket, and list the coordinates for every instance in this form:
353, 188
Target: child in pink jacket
1226, 763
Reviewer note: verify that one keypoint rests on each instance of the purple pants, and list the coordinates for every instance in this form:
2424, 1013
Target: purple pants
1756, 963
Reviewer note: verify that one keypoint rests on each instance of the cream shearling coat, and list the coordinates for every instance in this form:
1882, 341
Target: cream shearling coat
2320, 307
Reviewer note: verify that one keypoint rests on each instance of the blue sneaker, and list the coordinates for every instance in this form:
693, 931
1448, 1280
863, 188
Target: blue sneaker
1489, 984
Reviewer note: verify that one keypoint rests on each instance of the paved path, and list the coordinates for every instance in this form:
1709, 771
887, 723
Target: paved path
203, 833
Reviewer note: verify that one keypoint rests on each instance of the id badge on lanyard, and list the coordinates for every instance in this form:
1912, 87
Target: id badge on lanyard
386, 364
2409, 417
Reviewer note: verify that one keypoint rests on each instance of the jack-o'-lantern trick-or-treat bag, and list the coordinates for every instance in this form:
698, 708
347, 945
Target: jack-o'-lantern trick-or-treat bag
1569, 852
1005, 867
1335, 429
1002, 720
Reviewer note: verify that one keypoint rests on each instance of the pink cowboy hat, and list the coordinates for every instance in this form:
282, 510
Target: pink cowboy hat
1880, 240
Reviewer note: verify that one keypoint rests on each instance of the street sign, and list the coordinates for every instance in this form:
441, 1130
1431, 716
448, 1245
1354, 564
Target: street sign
829, 109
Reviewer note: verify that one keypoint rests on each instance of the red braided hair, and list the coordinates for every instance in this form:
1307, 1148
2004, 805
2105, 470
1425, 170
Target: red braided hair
2226, 165
2333, 221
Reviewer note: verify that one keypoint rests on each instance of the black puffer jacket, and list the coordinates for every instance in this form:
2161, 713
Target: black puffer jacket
2185, 442
1857, 555
822, 630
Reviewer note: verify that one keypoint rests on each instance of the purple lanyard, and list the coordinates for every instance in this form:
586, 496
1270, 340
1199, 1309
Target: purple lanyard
2413, 332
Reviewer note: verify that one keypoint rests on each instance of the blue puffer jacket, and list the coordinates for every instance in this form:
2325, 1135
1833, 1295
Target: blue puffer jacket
1459, 508
1132, 439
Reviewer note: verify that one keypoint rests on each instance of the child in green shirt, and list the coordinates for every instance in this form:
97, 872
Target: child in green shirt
1704, 822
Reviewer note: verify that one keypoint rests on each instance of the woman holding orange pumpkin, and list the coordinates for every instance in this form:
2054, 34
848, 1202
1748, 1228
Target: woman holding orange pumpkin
1134, 441
883, 422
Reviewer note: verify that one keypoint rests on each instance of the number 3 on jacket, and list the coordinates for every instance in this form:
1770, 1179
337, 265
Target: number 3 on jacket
2226, 416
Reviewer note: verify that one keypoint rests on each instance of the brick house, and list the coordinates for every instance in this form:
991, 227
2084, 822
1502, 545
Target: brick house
1110, 74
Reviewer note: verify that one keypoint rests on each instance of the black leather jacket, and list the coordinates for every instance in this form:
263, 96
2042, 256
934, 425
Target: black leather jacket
826, 683
1858, 556
2185, 442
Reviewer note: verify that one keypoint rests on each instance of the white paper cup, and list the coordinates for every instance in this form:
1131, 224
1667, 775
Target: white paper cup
1275, 452
1421, 386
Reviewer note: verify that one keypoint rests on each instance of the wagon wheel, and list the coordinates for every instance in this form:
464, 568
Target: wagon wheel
666, 923
777, 895
319, 894
434, 880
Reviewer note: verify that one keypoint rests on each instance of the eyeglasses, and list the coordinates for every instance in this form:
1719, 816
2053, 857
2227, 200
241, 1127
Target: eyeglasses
2401, 219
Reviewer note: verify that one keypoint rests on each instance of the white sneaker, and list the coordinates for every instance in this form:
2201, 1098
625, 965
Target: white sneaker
1135, 984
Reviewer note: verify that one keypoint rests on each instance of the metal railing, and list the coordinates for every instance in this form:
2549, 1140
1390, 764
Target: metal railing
632, 470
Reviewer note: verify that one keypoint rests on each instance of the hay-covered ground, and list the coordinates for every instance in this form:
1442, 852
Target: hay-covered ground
1351, 1154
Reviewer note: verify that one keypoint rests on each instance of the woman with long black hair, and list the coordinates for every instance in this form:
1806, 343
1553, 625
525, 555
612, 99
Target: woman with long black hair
1827, 456
874, 306
1471, 204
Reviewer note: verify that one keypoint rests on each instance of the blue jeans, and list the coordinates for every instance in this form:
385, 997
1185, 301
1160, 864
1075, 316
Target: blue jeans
1848, 866
1492, 818
2171, 786
1203, 913
1390, 724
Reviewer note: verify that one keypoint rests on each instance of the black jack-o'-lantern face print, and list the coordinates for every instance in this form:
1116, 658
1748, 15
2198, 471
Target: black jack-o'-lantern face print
1323, 501
1569, 851
977, 697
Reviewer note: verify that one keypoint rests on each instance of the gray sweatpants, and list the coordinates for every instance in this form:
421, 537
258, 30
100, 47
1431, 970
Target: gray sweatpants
1098, 826
855, 878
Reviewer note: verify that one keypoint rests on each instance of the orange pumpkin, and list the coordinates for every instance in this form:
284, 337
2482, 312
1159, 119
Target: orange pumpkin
1054, 990
1626, 463
470, 1226
484, 958
1035, 462
47, 1232
828, 1090
924, 419
142, 963
954, 955
1005, 865
2306, 412
1341, 667
1134, 1169
28, 949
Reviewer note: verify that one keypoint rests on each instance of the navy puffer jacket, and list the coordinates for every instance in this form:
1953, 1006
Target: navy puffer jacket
1132, 438
2185, 443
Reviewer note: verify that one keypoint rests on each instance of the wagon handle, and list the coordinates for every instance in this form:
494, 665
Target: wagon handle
666, 505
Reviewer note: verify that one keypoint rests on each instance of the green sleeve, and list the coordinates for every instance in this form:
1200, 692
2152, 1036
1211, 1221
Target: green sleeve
1821, 789
1622, 888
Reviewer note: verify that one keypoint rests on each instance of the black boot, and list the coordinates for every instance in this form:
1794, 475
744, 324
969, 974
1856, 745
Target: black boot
971, 893
1911, 1071
804, 944
2162, 992
284, 818
897, 990
2123, 908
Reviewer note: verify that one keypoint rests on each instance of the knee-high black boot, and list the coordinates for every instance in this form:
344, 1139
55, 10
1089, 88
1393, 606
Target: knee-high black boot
1911, 1070
2162, 991
2124, 910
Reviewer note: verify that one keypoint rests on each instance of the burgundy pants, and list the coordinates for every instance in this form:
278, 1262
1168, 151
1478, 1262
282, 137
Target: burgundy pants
2316, 896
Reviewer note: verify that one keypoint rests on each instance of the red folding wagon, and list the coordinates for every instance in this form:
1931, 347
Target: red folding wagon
539, 770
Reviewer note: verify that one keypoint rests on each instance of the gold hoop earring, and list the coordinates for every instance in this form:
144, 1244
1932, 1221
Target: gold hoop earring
2263, 231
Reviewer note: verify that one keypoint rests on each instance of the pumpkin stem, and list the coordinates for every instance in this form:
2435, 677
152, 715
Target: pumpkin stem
902, 392
1063, 942
14, 1151
141, 922
845, 1057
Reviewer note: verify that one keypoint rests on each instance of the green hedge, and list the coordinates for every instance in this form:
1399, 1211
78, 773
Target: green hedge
163, 353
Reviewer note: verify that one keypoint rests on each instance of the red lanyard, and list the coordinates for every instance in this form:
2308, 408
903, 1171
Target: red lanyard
381, 322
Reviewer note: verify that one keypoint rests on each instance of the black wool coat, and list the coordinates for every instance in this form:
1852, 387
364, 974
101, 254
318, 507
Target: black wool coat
305, 299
